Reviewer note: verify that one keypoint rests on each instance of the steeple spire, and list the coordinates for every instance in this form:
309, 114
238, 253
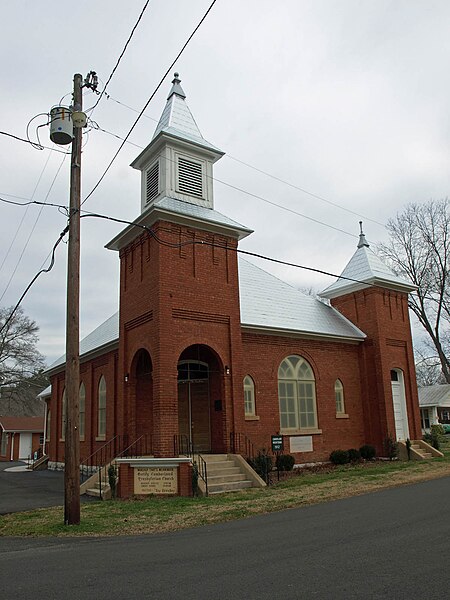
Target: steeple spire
176, 87
362, 238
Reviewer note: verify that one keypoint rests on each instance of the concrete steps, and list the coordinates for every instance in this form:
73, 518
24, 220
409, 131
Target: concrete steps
95, 490
225, 474
419, 450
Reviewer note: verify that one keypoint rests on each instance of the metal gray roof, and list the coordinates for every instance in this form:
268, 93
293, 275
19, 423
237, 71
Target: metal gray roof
46, 392
104, 335
367, 269
269, 303
177, 120
197, 212
266, 302
434, 395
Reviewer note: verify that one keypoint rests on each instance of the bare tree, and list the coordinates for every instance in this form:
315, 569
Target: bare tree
19, 357
419, 250
428, 367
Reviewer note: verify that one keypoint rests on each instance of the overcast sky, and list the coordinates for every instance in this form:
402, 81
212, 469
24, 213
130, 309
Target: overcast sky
346, 99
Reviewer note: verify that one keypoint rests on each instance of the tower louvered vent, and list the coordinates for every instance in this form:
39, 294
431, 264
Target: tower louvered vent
152, 182
190, 178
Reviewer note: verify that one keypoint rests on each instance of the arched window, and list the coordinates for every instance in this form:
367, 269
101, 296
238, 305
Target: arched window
339, 396
249, 397
82, 407
101, 421
297, 394
63, 415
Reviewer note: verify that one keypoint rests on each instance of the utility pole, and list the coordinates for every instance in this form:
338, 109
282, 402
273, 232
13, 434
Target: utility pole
72, 435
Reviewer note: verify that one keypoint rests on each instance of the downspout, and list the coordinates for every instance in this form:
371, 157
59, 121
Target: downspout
12, 445
45, 428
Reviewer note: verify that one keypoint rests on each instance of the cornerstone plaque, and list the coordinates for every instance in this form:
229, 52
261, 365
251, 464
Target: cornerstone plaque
155, 480
301, 443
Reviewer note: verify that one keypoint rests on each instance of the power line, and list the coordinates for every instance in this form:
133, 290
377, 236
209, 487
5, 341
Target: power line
121, 55
148, 101
47, 270
243, 191
62, 206
296, 187
215, 245
271, 175
26, 211
32, 229
33, 144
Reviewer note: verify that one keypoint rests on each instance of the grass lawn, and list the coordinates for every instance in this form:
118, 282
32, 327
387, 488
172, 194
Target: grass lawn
155, 515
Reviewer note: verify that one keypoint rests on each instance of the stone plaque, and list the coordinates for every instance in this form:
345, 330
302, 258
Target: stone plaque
301, 443
155, 480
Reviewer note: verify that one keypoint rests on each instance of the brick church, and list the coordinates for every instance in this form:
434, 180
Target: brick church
208, 348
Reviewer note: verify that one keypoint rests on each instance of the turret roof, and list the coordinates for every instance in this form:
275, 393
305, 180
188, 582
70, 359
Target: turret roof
365, 269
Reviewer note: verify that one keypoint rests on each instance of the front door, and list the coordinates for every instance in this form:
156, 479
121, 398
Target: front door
25, 445
399, 405
193, 405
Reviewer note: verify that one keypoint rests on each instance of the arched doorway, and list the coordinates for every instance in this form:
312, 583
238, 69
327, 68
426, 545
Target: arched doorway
200, 407
399, 404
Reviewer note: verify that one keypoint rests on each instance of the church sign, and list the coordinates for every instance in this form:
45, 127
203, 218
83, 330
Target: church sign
155, 480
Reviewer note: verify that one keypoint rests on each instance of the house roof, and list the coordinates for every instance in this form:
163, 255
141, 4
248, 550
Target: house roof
13, 424
177, 120
365, 269
266, 303
434, 395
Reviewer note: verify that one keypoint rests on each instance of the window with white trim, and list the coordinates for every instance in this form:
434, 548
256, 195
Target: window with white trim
297, 395
339, 397
152, 182
425, 418
249, 397
63, 415
190, 177
82, 410
101, 421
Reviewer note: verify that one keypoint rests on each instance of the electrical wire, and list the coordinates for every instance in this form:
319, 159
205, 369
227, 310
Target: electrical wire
47, 270
32, 230
243, 191
271, 175
26, 211
149, 100
222, 246
121, 56
33, 144
30, 202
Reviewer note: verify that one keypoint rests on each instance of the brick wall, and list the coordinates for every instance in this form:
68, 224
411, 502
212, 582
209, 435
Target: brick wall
383, 315
170, 300
90, 374
330, 361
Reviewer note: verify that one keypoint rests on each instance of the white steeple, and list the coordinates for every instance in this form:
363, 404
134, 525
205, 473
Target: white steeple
363, 270
178, 162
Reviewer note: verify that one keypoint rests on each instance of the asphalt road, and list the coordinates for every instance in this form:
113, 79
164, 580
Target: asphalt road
390, 544
31, 489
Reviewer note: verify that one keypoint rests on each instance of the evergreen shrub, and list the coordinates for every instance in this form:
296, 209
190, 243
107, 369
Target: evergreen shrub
339, 457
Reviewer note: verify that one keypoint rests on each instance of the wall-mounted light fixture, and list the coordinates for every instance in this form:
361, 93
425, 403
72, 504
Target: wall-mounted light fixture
127, 377
227, 370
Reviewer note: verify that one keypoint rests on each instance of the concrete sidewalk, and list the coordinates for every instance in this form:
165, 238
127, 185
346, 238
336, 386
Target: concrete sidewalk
27, 490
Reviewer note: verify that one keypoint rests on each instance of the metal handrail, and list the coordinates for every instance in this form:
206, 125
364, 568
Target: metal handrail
241, 444
183, 445
117, 446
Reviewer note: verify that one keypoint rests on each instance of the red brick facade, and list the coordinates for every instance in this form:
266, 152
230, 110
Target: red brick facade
181, 303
